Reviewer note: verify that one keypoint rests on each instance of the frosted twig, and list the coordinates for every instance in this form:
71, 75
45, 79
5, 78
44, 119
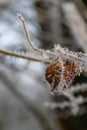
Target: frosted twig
73, 102
79, 57
49, 55
74, 107
40, 51
21, 55
27, 35
54, 105
78, 88
42, 54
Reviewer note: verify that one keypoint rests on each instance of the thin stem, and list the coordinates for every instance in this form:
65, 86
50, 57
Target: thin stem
27, 34
27, 57
21, 55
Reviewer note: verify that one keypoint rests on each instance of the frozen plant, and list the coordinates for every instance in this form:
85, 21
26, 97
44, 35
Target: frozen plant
63, 67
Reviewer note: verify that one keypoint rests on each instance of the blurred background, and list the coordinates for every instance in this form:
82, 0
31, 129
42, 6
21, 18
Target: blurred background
26, 102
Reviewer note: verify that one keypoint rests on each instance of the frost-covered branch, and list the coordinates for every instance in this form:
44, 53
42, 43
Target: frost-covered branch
46, 56
31, 46
22, 55
73, 105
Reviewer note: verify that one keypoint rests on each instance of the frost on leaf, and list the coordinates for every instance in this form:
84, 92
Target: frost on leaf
70, 71
64, 71
53, 74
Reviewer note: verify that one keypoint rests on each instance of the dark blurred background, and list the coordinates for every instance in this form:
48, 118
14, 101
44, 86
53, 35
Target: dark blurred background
24, 93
